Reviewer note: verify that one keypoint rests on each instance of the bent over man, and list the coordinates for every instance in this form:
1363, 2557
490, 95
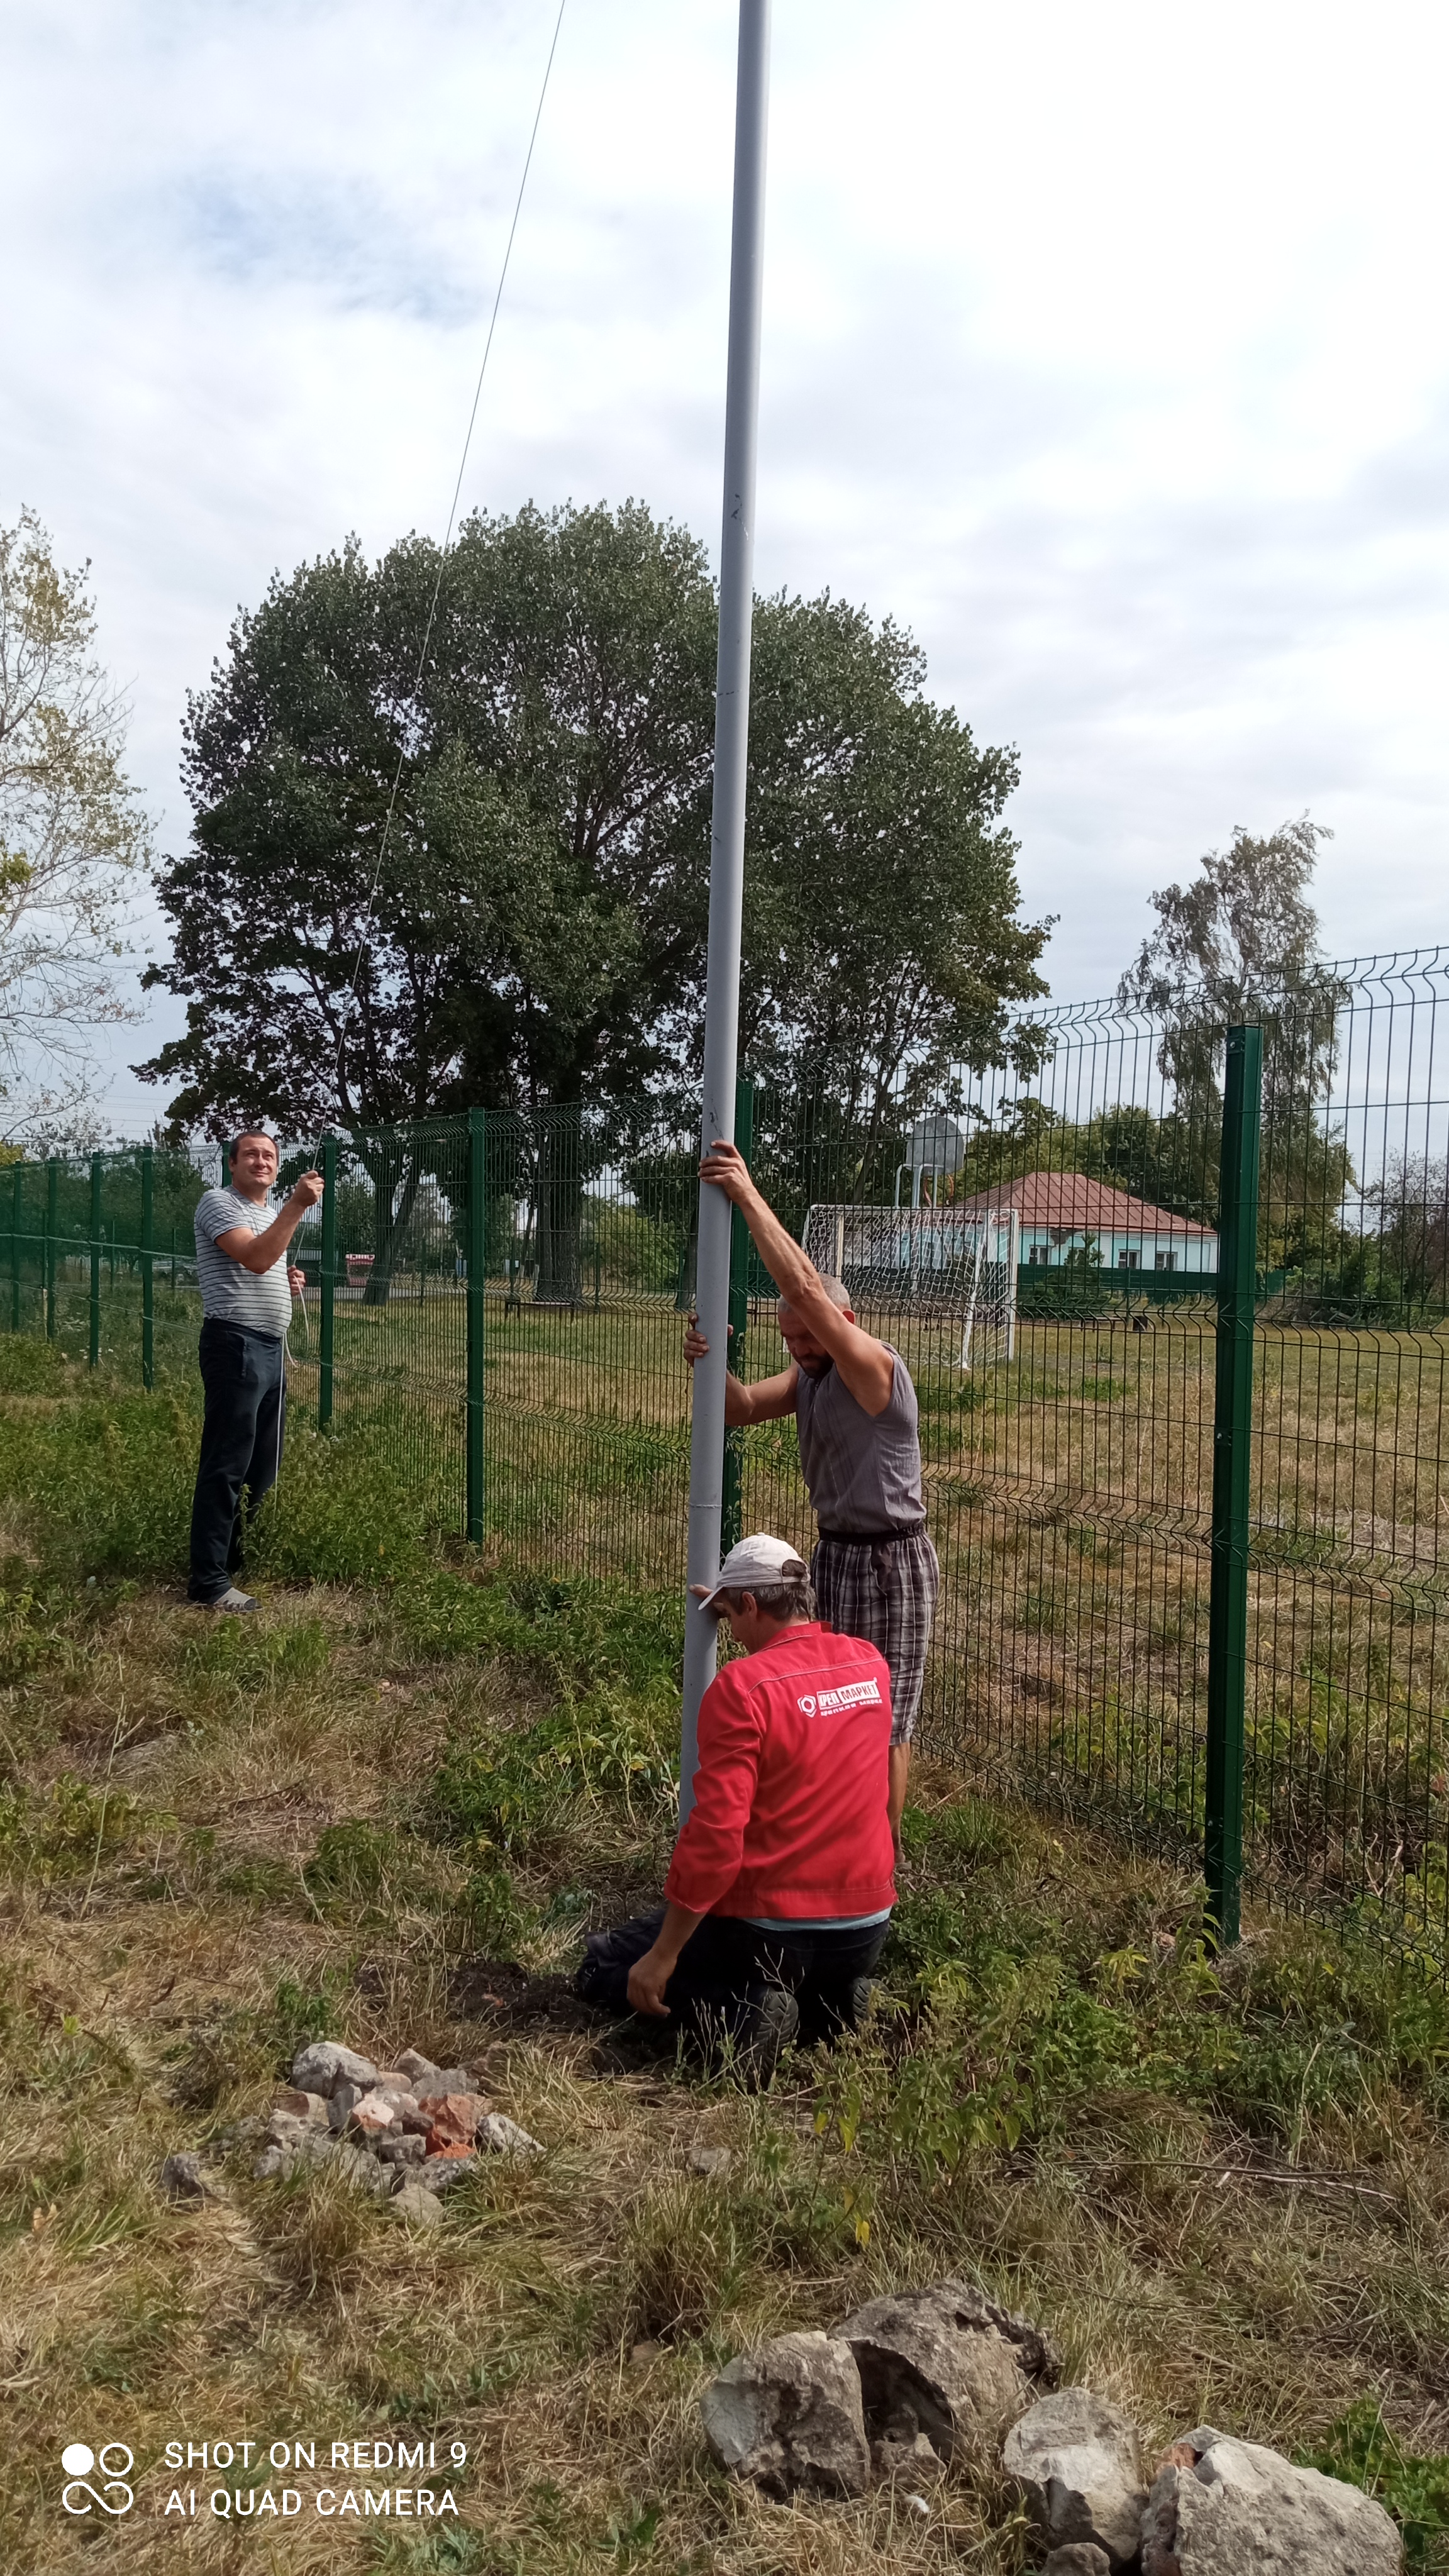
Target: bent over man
874, 1570
246, 1307
780, 1890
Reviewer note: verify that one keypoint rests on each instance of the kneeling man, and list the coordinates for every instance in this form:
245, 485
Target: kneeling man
782, 1883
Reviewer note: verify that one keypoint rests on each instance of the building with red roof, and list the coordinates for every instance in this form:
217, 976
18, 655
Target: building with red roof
1059, 1213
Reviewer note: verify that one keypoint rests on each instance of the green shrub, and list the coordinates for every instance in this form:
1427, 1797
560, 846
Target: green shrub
1414, 2489
361, 1869
522, 1788
67, 1830
30, 1366
255, 1655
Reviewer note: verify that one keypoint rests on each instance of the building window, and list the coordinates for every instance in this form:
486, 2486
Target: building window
1039, 1256
1128, 1260
1164, 1261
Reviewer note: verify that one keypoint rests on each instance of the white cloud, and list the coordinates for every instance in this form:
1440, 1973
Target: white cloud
1108, 351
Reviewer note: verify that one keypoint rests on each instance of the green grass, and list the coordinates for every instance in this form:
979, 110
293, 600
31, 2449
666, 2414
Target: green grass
1222, 2182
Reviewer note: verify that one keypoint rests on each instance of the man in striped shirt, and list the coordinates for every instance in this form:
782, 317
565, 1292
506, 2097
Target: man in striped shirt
246, 1307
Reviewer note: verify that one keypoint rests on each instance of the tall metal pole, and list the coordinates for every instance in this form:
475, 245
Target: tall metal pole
727, 850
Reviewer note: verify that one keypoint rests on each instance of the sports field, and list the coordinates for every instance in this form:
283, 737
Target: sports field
1069, 1493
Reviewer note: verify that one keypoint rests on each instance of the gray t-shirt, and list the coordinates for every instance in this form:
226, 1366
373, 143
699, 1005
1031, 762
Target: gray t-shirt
862, 1470
259, 1300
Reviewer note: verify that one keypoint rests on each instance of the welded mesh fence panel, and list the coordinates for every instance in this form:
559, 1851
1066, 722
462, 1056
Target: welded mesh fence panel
589, 1258
391, 1320
494, 1312
1066, 1421
69, 1280
1347, 1794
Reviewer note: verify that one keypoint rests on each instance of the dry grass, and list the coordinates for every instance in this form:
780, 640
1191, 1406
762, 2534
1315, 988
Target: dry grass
1254, 2249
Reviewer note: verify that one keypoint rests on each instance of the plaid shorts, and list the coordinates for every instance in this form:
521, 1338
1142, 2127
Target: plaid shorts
885, 1591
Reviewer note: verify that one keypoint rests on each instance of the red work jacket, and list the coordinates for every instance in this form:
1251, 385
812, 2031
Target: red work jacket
790, 1797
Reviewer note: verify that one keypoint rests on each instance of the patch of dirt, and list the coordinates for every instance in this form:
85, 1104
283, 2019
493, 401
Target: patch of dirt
505, 1998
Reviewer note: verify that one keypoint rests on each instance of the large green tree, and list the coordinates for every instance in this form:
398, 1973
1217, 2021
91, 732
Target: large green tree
461, 855
416, 877
883, 938
534, 930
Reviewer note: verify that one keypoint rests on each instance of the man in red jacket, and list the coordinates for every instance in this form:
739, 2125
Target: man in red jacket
782, 1880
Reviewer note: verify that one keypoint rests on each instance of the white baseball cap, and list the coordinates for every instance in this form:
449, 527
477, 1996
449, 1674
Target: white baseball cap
757, 1561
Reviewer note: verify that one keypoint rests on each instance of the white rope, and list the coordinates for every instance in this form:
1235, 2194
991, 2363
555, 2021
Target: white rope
364, 941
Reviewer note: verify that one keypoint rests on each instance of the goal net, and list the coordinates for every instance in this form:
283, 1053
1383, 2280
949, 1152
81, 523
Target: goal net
926, 1261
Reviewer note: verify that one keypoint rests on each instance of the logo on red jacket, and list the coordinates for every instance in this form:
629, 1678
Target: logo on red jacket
831, 1703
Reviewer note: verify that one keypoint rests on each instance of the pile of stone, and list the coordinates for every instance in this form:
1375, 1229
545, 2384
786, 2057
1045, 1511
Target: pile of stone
910, 2384
407, 2132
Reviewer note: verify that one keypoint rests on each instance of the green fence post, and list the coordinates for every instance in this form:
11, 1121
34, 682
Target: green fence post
329, 1281
148, 1284
52, 1229
94, 1350
1232, 1480
17, 1215
732, 1506
477, 1285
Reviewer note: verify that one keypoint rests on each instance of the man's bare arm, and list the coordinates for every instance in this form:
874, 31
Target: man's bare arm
259, 1251
864, 1363
768, 1399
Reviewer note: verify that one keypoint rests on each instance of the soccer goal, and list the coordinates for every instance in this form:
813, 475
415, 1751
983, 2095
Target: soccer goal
936, 1261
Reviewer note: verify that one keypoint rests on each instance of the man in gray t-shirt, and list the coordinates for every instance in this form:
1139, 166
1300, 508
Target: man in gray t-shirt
874, 1570
246, 1307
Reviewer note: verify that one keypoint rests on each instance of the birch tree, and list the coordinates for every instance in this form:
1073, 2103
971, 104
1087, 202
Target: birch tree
75, 840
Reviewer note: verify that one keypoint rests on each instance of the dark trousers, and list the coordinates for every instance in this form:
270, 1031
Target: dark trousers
727, 1968
241, 1447
728, 1971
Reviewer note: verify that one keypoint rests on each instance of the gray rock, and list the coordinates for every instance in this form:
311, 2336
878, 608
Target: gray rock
309, 2108
503, 2137
291, 2146
1241, 2510
712, 2162
419, 2070
343, 2100
324, 2063
444, 2079
182, 2178
439, 2173
241, 2133
361, 2169
945, 2362
788, 2416
1079, 2558
401, 2151
417, 2207
1078, 2462
914, 2463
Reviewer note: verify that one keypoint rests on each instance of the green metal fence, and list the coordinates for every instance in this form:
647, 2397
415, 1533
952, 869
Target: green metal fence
1175, 1301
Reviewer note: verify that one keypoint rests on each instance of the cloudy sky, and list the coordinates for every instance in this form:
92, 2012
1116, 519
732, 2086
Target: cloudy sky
1108, 350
